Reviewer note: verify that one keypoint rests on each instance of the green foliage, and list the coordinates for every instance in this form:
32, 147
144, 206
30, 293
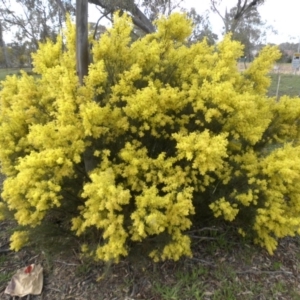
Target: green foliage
173, 129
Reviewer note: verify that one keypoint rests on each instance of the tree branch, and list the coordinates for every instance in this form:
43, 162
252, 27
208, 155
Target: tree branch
138, 18
214, 8
61, 7
97, 24
242, 9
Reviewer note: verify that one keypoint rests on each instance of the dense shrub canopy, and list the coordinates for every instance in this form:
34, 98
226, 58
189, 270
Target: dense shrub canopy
173, 129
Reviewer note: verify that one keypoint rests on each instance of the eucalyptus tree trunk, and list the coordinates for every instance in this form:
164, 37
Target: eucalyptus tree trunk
82, 44
82, 63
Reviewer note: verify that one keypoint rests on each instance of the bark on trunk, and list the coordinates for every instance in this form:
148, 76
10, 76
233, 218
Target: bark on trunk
82, 45
82, 57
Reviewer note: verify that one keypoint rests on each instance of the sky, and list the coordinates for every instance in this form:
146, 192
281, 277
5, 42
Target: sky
282, 15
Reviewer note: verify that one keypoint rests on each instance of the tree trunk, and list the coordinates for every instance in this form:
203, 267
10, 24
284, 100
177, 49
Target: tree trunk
82, 44
82, 57
3, 46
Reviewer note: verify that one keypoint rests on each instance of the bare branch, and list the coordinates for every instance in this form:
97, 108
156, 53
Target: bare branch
215, 9
97, 24
138, 18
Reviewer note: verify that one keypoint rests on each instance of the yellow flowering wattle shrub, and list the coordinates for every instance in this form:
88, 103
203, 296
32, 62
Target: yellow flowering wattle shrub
166, 123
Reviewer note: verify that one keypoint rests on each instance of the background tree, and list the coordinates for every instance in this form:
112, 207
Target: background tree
233, 19
4, 48
202, 28
288, 49
20, 54
34, 20
155, 8
251, 32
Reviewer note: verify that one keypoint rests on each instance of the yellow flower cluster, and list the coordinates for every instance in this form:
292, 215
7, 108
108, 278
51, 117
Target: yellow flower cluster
280, 215
165, 124
18, 240
223, 208
103, 209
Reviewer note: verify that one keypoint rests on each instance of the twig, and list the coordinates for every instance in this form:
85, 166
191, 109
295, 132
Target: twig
133, 290
204, 229
96, 26
4, 244
53, 289
204, 238
68, 264
32, 258
4, 250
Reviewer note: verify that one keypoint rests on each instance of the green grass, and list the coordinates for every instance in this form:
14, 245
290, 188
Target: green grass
186, 284
289, 84
223, 278
5, 275
12, 71
5, 278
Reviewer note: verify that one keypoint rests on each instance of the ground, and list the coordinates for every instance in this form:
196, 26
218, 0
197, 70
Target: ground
223, 267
